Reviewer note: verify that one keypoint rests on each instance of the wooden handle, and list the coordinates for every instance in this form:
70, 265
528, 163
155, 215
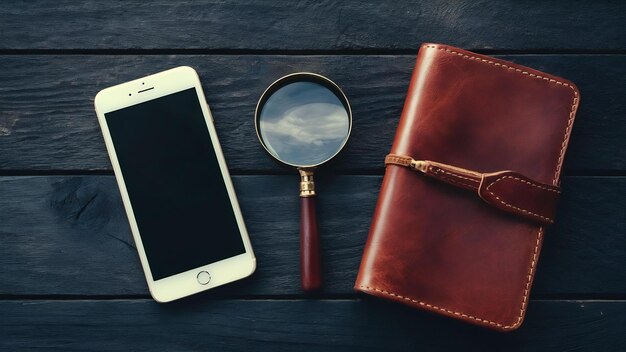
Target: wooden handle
310, 267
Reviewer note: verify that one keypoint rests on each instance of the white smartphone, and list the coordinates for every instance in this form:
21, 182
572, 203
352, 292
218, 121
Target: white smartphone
176, 189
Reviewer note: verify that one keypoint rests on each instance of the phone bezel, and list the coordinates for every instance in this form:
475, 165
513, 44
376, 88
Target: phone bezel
165, 83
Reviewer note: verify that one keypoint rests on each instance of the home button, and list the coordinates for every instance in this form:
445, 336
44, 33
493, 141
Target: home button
204, 277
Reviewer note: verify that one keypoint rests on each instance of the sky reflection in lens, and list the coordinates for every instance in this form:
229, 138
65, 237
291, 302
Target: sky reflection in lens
303, 123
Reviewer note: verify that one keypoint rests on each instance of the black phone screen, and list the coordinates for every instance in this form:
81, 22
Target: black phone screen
174, 183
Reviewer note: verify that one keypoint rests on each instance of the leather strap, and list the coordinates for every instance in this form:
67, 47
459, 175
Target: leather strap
506, 190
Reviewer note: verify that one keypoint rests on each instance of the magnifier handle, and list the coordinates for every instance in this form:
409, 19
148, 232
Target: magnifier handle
310, 267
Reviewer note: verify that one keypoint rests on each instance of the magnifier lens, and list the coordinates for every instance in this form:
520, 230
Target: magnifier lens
303, 123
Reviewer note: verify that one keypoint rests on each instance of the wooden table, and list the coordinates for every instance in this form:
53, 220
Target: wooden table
69, 273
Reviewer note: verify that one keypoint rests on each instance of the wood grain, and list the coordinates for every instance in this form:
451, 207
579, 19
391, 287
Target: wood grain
66, 238
312, 25
47, 121
303, 325
69, 236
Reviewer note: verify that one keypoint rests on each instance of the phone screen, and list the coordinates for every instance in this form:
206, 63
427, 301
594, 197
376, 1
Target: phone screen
174, 183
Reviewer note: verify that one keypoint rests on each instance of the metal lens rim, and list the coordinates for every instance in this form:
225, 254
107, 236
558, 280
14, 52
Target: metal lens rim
302, 77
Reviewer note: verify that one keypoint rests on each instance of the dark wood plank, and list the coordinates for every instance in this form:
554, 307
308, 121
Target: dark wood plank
47, 120
303, 325
64, 235
311, 25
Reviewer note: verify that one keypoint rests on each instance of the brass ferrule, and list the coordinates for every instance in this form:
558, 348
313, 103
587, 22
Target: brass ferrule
307, 184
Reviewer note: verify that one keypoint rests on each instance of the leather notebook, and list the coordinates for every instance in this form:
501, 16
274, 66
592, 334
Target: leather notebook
470, 185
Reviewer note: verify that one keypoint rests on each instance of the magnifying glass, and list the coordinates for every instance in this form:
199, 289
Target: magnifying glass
303, 120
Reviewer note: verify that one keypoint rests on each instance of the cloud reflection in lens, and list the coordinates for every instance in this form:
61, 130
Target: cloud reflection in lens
303, 123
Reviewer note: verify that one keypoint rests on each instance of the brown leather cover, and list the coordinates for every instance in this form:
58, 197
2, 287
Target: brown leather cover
441, 248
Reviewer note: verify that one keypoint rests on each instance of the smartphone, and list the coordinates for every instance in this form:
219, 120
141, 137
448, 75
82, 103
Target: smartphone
176, 189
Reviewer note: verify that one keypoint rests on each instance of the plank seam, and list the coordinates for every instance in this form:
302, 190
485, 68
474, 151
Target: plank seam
295, 52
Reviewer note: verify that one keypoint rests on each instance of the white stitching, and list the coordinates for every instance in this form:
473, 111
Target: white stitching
572, 113
453, 180
554, 181
506, 327
455, 175
524, 181
461, 183
514, 207
431, 306
568, 131
518, 208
